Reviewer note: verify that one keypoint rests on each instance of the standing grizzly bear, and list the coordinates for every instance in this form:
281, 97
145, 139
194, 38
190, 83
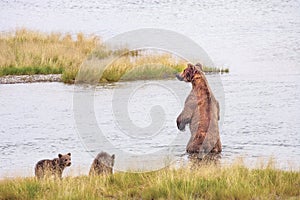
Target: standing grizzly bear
55, 167
201, 112
102, 164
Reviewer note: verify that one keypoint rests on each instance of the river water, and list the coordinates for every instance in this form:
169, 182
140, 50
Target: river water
258, 41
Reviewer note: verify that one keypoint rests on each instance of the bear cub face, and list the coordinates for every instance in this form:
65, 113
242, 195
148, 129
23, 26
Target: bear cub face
102, 164
64, 160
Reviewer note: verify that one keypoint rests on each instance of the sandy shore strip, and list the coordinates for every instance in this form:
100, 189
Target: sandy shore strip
12, 79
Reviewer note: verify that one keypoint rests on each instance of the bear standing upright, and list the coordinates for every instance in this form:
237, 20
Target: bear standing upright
201, 112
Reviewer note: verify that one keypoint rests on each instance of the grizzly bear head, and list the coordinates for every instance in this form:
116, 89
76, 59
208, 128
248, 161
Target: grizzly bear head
64, 160
106, 159
188, 73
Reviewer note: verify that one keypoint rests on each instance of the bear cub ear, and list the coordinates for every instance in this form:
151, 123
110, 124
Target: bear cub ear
113, 156
59, 155
69, 154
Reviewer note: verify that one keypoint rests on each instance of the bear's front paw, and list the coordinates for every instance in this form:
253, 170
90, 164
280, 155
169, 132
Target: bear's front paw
192, 149
181, 126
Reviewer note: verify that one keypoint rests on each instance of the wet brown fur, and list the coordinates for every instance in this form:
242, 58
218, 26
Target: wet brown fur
201, 112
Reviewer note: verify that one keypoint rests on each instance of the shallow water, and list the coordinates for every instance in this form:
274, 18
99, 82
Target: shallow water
258, 41
37, 121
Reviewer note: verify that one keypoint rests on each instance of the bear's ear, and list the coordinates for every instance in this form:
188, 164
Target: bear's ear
69, 154
59, 155
113, 156
190, 65
199, 67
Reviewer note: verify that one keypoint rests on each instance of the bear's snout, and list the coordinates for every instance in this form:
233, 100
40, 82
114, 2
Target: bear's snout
179, 77
69, 164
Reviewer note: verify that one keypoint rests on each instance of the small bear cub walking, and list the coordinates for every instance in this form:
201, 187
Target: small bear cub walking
102, 164
55, 167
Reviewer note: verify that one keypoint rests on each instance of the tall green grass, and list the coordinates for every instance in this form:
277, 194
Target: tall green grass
204, 182
26, 52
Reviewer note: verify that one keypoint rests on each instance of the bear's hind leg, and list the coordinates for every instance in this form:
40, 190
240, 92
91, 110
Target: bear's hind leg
195, 143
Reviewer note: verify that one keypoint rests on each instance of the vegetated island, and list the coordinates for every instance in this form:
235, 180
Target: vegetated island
234, 181
29, 56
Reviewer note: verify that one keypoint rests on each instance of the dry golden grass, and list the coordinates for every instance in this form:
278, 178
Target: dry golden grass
26, 52
32, 52
204, 182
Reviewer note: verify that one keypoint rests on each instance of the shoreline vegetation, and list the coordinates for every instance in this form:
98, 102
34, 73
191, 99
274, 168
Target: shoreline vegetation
27, 52
234, 181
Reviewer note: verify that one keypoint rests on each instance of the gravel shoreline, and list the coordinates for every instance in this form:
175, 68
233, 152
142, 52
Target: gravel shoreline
12, 79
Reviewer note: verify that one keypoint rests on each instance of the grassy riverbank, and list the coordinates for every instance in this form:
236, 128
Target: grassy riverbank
206, 182
26, 52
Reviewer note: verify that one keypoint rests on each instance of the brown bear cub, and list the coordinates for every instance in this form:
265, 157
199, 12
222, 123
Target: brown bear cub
52, 168
103, 164
201, 112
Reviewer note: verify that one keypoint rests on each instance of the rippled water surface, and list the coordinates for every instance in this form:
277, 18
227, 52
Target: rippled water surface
245, 35
37, 121
258, 41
